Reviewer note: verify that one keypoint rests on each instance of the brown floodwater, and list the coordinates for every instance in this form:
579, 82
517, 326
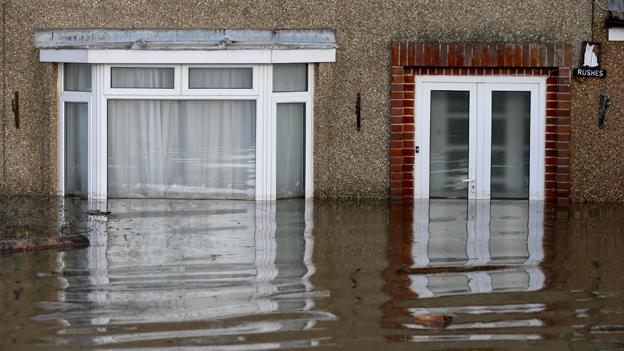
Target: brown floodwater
235, 275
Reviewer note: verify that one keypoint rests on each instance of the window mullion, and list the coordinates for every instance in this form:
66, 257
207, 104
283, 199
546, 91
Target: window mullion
98, 138
265, 136
309, 134
61, 130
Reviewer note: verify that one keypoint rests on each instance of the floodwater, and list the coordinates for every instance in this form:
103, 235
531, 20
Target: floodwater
234, 275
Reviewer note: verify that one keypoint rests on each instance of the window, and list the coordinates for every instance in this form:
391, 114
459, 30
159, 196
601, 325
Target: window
220, 78
182, 148
187, 131
76, 149
290, 150
146, 78
74, 106
289, 77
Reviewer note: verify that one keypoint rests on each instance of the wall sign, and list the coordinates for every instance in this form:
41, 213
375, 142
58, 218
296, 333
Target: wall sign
591, 62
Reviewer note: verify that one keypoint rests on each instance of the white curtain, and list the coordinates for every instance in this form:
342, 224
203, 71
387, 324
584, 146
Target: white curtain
220, 78
76, 119
181, 149
290, 150
77, 77
290, 77
144, 77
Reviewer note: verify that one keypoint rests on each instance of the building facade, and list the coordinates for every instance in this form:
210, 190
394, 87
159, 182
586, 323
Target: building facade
511, 121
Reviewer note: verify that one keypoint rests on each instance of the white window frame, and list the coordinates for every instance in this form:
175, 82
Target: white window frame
255, 75
266, 126
482, 85
109, 90
307, 98
71, 97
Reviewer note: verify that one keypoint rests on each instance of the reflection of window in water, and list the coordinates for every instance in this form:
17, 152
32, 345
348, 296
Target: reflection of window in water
164, 261
464, 234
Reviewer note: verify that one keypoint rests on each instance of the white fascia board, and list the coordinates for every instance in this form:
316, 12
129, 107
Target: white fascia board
179, 56
303, 56
63, 55
114, 56
616, 34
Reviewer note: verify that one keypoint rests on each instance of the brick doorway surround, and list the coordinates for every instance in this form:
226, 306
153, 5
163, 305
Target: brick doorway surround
411, 59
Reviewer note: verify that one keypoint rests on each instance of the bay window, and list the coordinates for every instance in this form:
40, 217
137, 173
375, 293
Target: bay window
186, 130
176, 113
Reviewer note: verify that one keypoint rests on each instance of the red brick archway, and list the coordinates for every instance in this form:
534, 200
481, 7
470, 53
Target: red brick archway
410, 59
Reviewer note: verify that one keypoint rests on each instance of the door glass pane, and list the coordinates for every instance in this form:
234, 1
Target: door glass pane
182, 149
220, 78
449, 144
77, 77
142, 78
511, 122
290, 77
76, 119
290, 150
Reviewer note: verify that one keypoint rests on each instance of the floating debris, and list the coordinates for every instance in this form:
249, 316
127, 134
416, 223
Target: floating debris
98, 213
33, 244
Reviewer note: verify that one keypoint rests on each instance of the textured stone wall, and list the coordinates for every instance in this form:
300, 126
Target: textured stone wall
597, 155
348, 163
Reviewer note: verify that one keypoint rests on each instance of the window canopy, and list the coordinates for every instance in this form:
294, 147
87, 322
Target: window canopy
193, 46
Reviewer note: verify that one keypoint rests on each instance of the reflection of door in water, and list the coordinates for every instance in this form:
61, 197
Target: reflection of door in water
454, 241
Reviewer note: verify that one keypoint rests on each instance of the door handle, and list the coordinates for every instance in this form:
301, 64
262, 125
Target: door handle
472, 181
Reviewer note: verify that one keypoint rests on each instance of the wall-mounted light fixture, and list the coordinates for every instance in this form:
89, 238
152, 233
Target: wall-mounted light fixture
605, 102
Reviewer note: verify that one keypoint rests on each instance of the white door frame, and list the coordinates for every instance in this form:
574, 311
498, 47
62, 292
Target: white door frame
480, 88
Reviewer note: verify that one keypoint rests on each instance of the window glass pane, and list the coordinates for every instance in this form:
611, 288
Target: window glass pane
290, 150
77, 77
76, 147
290, 77
144, 77
220, 78
182, 149
449, 144
511, 119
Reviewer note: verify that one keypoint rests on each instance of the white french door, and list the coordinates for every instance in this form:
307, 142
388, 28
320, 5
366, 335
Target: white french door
479, 137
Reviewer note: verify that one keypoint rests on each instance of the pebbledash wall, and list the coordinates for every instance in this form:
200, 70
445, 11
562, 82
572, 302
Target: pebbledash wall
348, 163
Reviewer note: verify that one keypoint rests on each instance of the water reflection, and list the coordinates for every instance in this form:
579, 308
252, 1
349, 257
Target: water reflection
206, 275
457, 249
222, 271
456, 233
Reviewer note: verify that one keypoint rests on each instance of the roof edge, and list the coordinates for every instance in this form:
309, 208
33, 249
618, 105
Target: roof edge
185, 39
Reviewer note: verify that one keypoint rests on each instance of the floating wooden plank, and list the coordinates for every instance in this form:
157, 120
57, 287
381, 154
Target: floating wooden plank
46, 243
